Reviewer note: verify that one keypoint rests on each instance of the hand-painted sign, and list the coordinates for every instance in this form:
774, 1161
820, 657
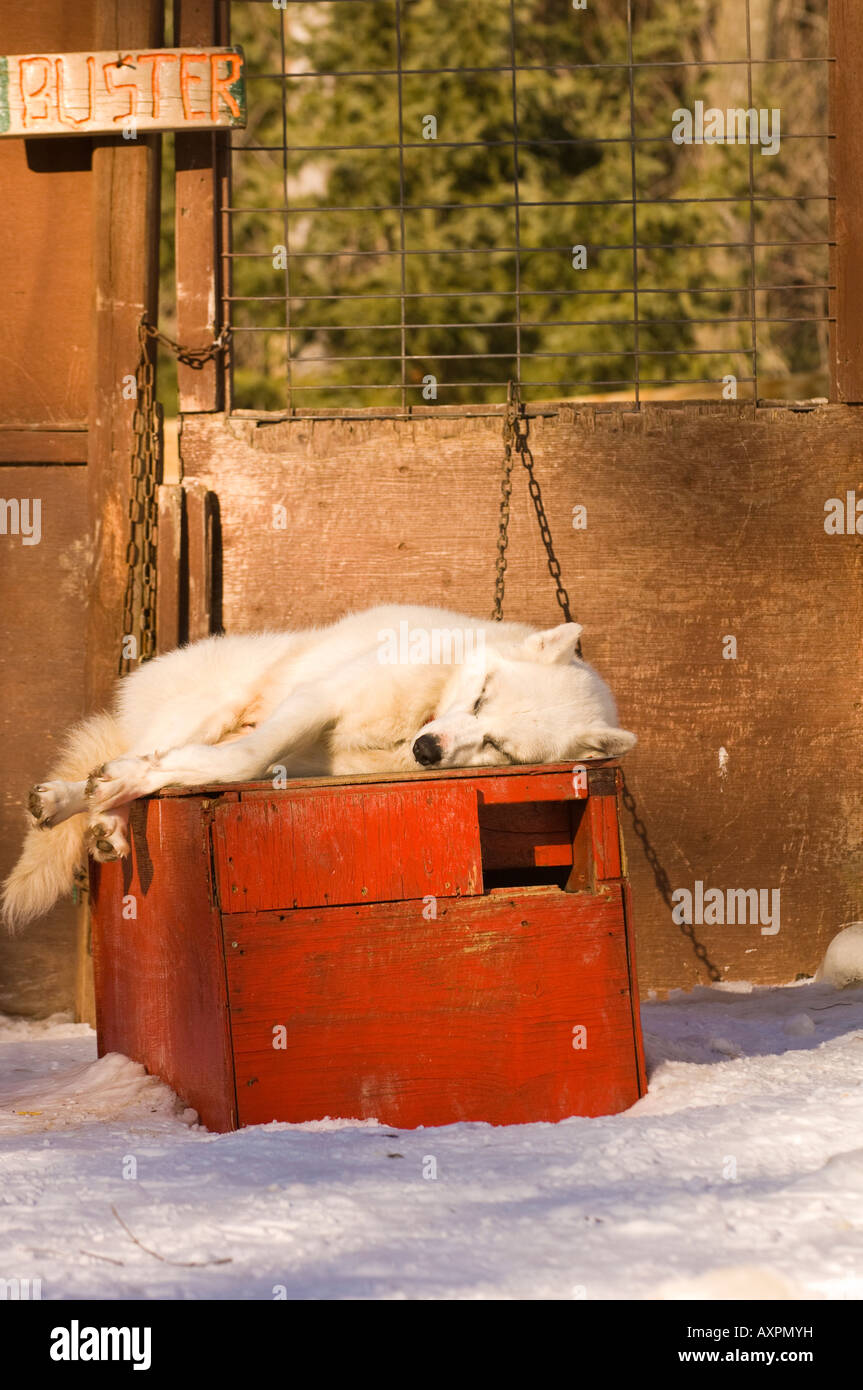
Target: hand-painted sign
122, 92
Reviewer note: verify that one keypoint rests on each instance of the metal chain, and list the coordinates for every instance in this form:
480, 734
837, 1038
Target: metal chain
509, 429
515, 440
139, 595
542, 520
663, 882
515, 437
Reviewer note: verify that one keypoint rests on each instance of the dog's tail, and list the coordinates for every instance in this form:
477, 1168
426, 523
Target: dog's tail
46, 868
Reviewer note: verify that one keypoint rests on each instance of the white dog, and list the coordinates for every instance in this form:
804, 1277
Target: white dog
390, 689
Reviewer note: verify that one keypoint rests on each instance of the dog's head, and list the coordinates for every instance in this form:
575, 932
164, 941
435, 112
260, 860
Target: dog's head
533, 703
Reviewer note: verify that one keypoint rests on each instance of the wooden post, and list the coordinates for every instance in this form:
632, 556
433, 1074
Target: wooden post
125, 193
168, 605
200, 522
846, 185
125, 285
201, 174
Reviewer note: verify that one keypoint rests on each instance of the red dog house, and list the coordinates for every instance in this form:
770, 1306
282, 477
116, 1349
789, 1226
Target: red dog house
419, 949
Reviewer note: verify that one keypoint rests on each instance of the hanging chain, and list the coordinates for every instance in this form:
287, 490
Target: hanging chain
515, 441
509, 432
515, 437
139, 639
553, 563
663, 882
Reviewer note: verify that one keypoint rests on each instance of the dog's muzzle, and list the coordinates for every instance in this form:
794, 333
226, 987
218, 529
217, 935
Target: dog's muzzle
427, 750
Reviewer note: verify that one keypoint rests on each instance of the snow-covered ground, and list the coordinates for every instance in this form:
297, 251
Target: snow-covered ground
740, 1174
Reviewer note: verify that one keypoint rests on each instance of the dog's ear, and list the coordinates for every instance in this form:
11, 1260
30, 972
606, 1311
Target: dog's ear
604, 743
556, 645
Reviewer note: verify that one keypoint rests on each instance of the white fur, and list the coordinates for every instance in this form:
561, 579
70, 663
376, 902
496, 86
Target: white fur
323, 701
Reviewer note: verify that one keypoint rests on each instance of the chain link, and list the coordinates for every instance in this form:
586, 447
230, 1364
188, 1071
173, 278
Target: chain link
515, 441
663, 882
544, 530
509, 429
139, 597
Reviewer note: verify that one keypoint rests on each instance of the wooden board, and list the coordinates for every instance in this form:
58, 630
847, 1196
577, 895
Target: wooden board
345, 846
157, 956
703, 522
416, 1022
42, 589
202, 188
110, 92
845, 41
125, 190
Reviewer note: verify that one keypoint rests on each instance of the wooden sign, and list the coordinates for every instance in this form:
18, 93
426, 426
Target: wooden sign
122, 92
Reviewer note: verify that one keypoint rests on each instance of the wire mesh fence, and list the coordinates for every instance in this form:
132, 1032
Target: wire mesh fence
619, 202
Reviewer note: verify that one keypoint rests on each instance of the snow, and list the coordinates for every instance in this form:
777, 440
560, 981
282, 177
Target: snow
843, 961
739, 1175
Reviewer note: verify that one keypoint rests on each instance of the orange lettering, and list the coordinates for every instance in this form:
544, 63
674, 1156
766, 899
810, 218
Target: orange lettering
221, 86
157, 59
112, 86
64, 116
186, 78
27, 97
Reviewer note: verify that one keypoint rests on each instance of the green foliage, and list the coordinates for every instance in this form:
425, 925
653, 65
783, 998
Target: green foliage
451, 300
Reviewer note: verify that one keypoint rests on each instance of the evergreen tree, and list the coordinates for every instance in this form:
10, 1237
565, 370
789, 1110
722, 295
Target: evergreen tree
447, 198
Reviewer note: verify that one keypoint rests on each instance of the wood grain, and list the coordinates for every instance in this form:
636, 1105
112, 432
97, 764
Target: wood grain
347, 846
202, 177
42, 602
158, 964
845, 43
414, 1022
125, 191
100, 92
509, 1006
703, 521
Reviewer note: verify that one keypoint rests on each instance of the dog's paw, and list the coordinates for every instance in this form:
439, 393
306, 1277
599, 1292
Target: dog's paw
45, 802
106, 839
119, 781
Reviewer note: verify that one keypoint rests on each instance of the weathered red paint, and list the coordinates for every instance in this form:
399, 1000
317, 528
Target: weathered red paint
470, 1016
366, 846
158, 962
262, 982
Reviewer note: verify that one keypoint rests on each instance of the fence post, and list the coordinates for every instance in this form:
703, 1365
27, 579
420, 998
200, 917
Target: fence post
846, 185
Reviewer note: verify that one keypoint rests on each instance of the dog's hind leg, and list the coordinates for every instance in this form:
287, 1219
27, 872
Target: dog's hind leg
298, 721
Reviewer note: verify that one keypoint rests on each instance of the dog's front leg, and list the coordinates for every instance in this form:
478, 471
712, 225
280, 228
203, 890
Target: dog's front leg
297, 721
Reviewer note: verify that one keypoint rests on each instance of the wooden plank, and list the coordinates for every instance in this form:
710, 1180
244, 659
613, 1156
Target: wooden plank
495, 785
845, 43
45, 270
199, 508
637, 1035
158, 959
410, 1021
45, 304
691, 513
125, 193
604, 830
348, 847
42, 599
132, 90
202, 172
85, 990
43, 444
170, 498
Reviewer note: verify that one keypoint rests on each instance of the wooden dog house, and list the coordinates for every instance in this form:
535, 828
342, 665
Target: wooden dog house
419, 949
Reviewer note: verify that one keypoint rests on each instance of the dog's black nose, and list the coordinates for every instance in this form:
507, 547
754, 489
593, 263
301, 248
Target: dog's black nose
427, 749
